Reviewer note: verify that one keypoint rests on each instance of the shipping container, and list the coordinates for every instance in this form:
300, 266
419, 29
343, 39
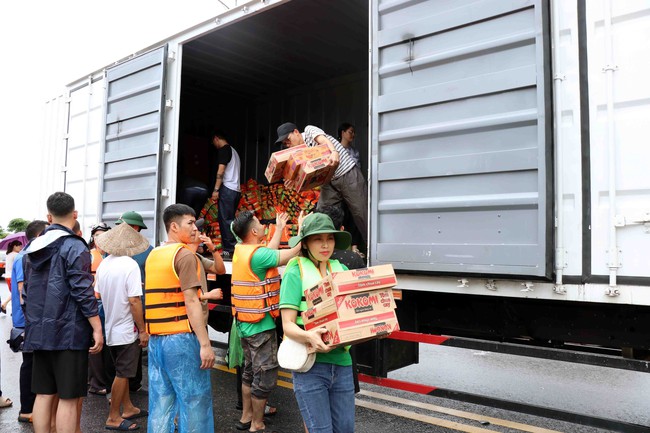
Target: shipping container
502, 142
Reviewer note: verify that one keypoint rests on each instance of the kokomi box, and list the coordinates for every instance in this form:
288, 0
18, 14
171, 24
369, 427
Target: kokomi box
353, 281
278, 161
356, 330
314, 173
297, 160
354, 305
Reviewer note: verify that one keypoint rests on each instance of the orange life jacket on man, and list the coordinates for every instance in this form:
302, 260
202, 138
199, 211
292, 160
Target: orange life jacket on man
252, 298
163, 297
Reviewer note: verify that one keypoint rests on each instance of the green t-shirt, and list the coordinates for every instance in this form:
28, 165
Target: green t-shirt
291, 296
263, 259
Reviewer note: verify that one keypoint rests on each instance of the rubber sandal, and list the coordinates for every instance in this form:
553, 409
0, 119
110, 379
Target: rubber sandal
22, 418
125, 425
141, 414
242, 425
270, 410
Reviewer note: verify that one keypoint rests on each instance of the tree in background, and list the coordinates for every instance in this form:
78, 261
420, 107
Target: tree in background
3, 233
17, 225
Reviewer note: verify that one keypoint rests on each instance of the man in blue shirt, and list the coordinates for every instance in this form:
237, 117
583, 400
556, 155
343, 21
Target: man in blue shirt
33, 230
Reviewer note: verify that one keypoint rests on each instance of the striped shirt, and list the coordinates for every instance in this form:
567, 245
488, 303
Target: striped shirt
346, 163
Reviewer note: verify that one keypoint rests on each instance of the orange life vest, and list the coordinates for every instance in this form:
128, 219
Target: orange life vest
252, 298
95, 259
163, 297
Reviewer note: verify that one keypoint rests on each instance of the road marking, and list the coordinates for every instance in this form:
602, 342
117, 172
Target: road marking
422, 418
458, 413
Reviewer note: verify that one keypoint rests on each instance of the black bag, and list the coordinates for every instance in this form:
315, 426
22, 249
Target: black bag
16, 339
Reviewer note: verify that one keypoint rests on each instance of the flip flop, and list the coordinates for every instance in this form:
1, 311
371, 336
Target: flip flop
141, 414
270, 410
242, 425
22, 418
5, 402
125, 425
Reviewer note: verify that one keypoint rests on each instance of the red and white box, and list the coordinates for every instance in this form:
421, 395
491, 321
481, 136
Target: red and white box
353, 281
314, 173
354, 305
361, 328
297, 160
278, 161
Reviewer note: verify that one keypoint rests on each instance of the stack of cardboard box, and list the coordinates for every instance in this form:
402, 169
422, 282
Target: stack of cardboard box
307, 166
353, 306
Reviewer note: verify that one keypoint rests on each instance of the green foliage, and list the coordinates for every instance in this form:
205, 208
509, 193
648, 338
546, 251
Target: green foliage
3, 233
18, 225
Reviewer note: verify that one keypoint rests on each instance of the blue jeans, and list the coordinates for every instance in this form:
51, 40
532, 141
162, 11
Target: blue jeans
178, 385
227, 206
325, 397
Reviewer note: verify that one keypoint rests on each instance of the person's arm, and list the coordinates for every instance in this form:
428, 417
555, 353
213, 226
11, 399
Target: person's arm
220, 171
135, 304
313, 338
334, 156
218, 267
195, 315
98, 337
281, 219
212, 295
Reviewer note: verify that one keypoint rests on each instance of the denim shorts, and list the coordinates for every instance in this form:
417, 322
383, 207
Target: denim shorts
325, 396
260, 370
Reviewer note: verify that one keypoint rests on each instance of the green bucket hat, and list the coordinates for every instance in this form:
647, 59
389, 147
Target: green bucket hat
318, 223
131, 218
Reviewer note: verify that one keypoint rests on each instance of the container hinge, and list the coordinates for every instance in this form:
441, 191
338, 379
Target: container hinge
64, 168
164, 192
169, 104
171, 56
559, 289
528, 286
618, 262
612, 68
463, 282
559, 77
612, 292
167, 148
491, 285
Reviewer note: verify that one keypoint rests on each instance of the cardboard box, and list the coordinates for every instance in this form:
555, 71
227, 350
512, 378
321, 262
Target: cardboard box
300, 158
314, 173
353, 281
362, 328
353, 305
278, 161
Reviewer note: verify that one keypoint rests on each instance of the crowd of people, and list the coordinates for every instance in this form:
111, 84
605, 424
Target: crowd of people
94, 307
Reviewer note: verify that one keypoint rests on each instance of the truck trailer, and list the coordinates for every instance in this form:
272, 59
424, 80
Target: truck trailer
502, 142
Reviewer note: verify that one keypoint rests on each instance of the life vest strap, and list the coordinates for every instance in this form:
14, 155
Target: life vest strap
257, 283
166, 319
253, 297
257, 310
164, 290
167, 305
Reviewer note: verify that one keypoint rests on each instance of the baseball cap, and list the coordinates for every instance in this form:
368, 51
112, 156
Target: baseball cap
284, 130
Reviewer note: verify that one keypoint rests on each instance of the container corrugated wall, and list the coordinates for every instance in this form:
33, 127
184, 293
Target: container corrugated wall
460, 137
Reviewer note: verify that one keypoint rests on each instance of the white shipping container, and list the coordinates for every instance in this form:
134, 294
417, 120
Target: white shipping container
503, 141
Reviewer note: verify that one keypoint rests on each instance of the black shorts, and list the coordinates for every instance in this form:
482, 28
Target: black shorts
126, 357
60, 371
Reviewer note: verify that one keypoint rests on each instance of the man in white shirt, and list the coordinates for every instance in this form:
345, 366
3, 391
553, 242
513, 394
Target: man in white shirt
119, 285
227, 190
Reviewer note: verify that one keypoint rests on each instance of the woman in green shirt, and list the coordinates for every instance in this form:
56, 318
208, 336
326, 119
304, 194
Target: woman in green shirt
325, 393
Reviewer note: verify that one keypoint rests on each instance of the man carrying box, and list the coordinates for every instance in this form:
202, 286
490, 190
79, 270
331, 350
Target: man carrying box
255, 299
347, 184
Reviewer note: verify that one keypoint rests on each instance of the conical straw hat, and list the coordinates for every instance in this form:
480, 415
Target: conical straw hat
122, 241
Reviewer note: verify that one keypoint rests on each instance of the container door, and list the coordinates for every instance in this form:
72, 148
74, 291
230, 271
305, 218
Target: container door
133, 139
461, 149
